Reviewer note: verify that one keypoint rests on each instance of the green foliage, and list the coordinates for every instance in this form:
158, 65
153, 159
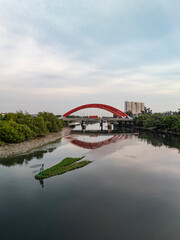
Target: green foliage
18, 127
31, 123
9, 116
154, 120
1, 117
2, 143
172, 122
67, 164
52, 122
67, 161
176, 126
41, 128
129, 113
12, 132
139, 121
158, 121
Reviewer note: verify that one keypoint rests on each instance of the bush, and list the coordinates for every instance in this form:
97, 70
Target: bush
2, 143
139, 121
171, 122
9, 134
40, 126
52, 122
154, 120
176, 126
18, 127
158, 120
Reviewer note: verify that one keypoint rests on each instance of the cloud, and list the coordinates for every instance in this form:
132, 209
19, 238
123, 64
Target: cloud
65, 91
89, 51
23, 56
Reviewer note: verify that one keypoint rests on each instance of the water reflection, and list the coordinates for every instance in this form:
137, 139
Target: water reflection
20, 159
35, 166
94, 145
159, 140
25, 158
41, 181
132, 192
156, 140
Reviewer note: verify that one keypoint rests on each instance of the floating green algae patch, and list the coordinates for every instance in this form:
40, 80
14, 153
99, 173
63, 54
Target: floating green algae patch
67, 164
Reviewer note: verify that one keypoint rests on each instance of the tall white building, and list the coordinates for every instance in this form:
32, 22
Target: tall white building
135, 107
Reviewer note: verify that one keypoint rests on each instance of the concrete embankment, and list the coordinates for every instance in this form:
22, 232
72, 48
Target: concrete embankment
23, 147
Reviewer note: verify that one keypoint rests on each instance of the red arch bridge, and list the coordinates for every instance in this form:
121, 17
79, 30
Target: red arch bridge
120, 115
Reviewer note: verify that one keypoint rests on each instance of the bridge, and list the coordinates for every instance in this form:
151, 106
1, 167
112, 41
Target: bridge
120, 115
87, 119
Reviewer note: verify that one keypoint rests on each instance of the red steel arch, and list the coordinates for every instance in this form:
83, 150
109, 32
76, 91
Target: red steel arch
108, 108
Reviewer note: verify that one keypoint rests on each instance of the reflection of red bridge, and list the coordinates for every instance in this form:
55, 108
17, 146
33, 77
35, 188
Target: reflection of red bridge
94, 145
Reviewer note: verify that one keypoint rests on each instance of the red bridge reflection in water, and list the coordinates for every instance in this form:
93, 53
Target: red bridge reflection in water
94, 145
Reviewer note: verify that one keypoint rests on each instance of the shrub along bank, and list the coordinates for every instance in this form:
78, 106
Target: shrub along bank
19, 127
158, 121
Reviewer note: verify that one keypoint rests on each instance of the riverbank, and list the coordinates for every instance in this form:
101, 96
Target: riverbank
23, 147
159, 131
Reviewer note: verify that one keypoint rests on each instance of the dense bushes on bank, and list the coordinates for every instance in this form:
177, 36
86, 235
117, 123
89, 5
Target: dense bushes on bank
18, 127
158, 121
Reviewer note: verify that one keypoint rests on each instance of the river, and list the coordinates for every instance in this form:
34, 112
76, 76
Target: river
131, 190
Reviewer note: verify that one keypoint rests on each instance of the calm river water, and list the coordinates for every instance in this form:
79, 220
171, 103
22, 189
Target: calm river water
130, 191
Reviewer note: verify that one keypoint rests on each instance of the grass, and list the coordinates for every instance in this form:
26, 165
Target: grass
66, 165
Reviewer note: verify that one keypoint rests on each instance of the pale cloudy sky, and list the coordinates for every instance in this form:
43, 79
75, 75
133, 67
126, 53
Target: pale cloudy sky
56, 55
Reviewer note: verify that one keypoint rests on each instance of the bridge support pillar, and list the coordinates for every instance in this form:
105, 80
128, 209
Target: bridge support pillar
83, 125
101, 125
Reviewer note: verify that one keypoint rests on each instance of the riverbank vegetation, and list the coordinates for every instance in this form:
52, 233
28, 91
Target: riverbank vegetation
19, 127
158, 121
67, 164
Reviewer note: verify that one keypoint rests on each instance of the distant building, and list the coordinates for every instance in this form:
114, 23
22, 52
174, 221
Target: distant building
135, 108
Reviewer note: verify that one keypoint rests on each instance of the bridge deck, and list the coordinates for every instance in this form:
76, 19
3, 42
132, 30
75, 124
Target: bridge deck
98, 120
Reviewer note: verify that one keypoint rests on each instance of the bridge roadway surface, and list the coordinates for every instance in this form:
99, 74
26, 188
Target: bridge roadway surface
98, 120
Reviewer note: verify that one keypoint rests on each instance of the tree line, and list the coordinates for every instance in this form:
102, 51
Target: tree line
158, 121
19, 127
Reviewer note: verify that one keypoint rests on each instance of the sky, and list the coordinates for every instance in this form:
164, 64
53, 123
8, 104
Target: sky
60, 54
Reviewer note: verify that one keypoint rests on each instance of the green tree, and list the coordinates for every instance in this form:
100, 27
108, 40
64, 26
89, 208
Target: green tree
154, 120
17, 127
11, 131
52, 122
41, 128
139, 121
170, 121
